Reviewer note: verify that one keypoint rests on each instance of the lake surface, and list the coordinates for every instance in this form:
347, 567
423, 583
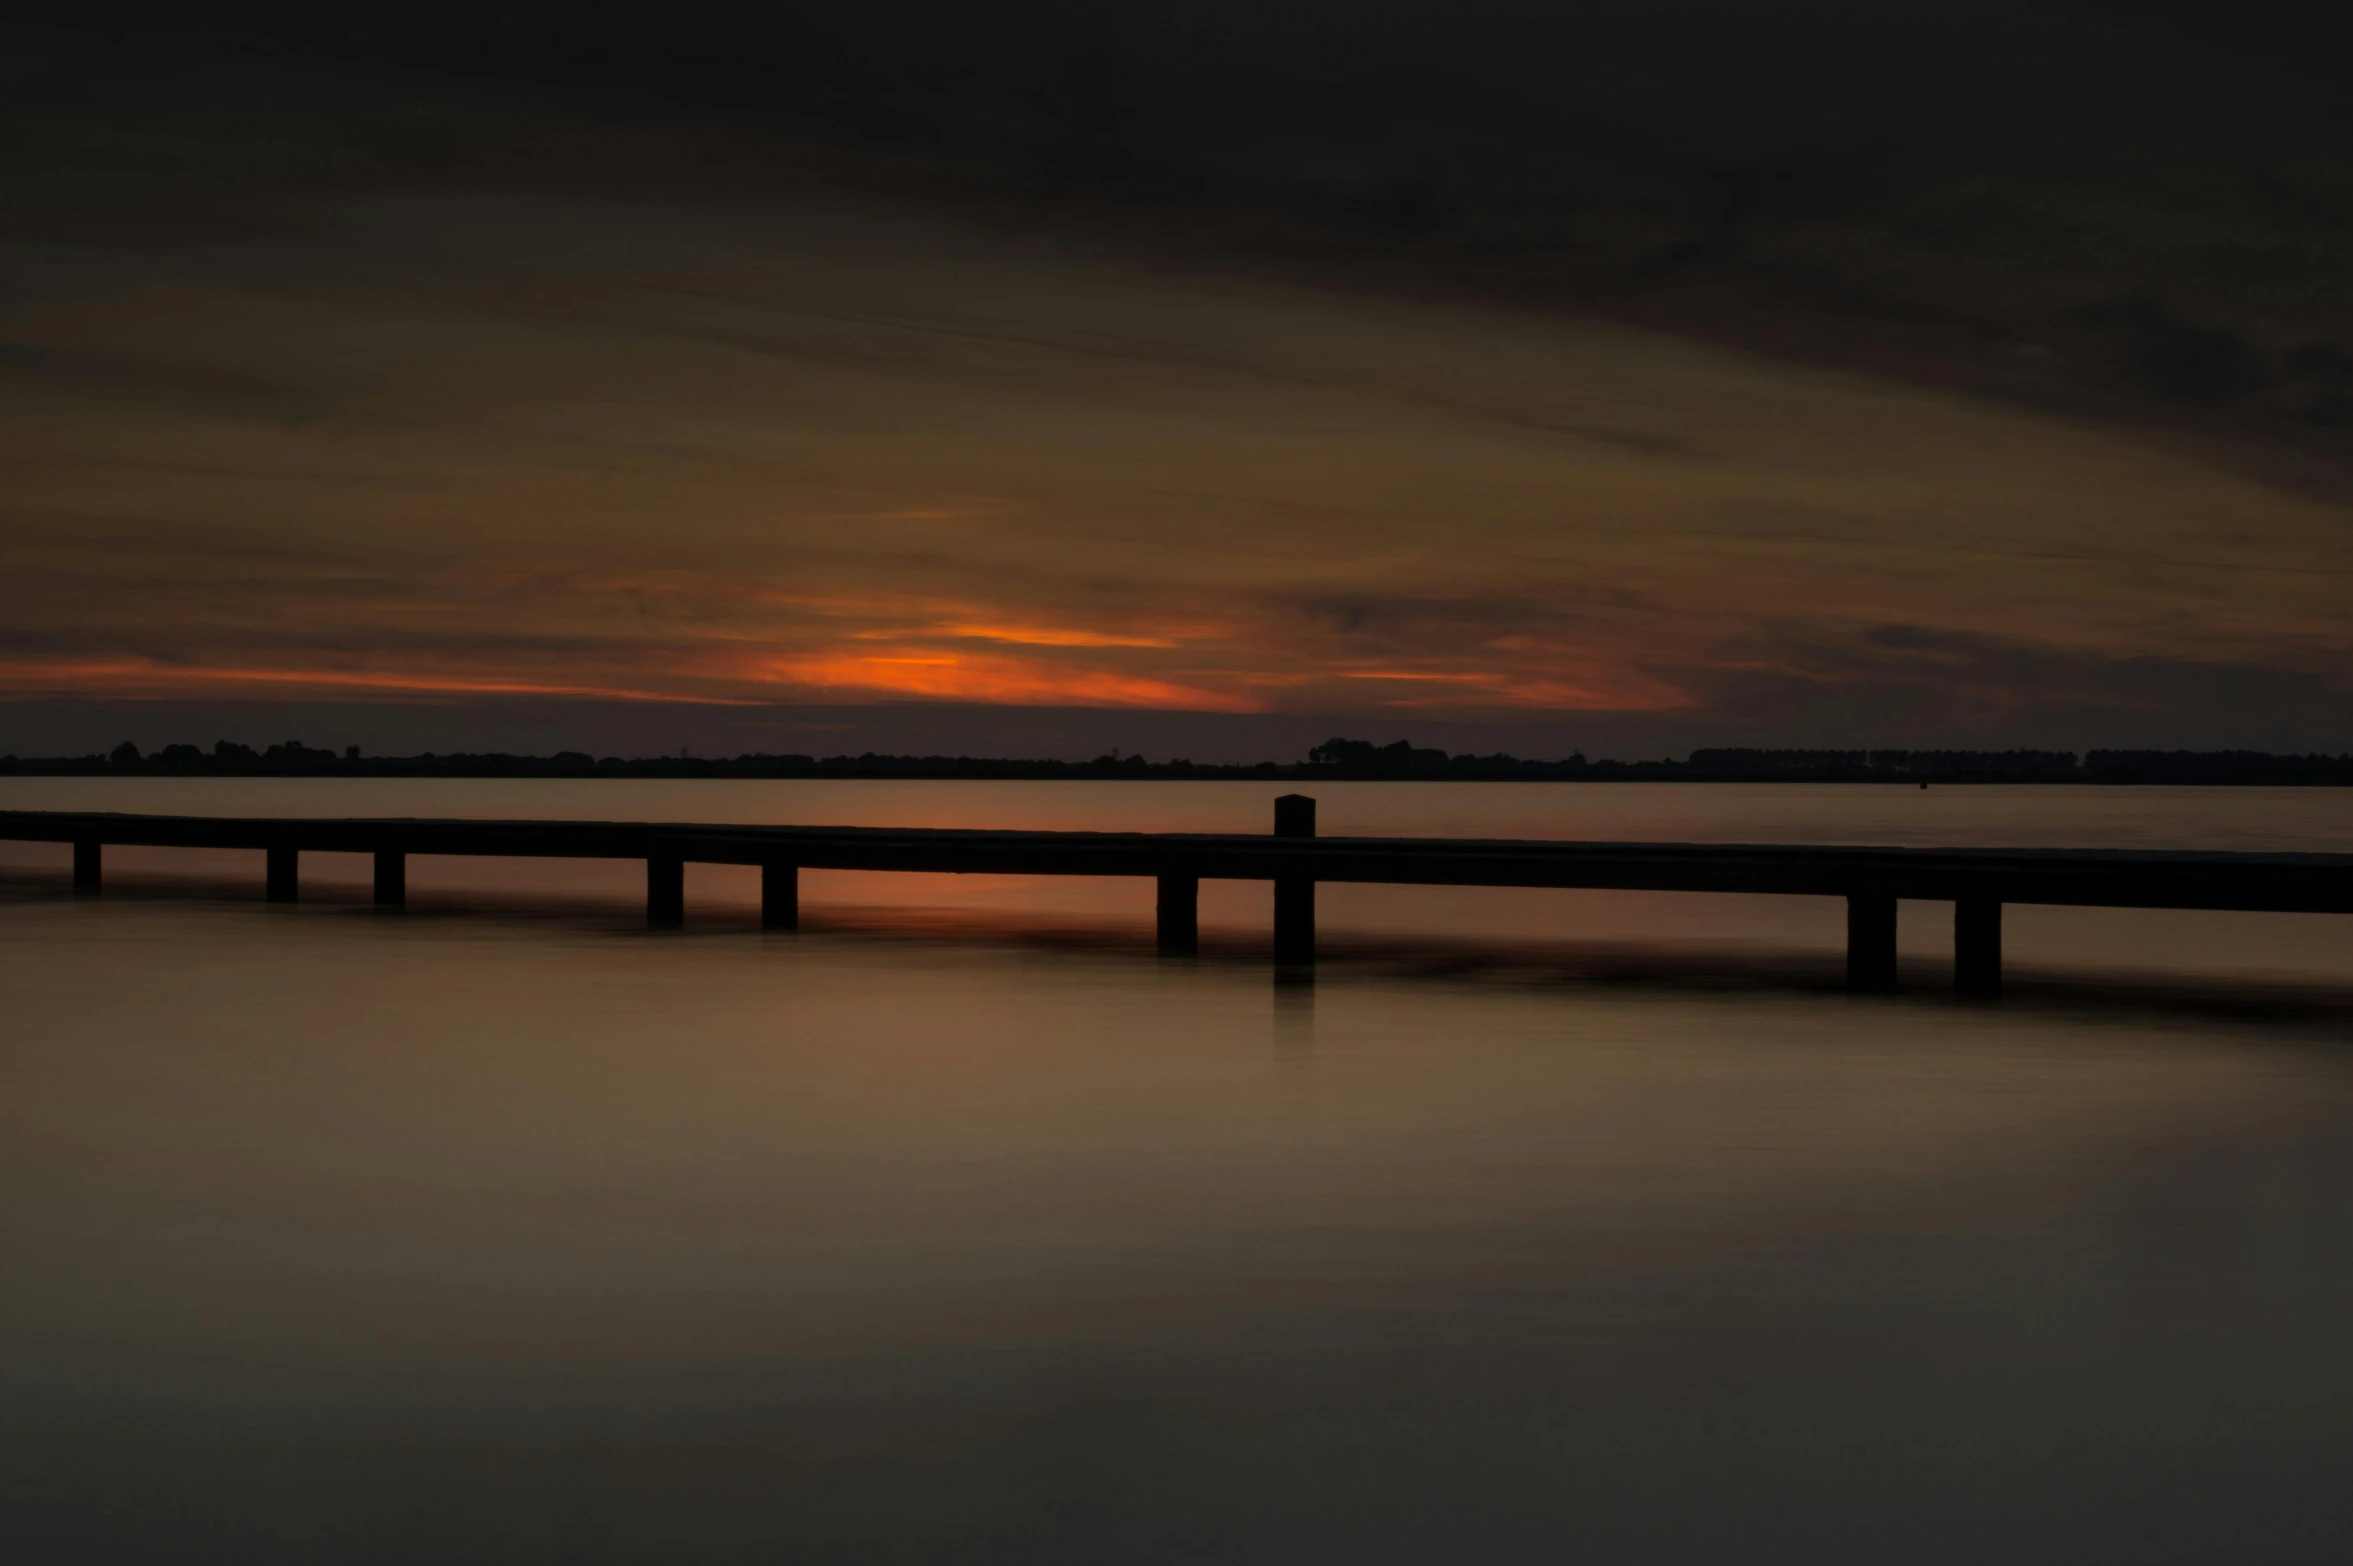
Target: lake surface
1544, 1226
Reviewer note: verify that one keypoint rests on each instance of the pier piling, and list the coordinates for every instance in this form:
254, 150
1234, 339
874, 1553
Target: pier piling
780, 897
282, 880
1870, 942
88, 856
392, 878
1180, 915
665, 891
1977, 947
1294, 894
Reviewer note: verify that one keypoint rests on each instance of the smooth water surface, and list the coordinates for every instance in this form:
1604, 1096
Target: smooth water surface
506, 1231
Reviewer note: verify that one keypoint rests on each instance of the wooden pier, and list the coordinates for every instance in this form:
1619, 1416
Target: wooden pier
1976, 881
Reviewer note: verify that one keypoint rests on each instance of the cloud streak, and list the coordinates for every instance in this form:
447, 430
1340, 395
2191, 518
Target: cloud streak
141, 677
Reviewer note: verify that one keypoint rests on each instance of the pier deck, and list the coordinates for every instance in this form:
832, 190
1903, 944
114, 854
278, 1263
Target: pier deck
1977, 881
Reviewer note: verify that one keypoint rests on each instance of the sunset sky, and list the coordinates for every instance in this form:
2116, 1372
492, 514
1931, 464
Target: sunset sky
414, 415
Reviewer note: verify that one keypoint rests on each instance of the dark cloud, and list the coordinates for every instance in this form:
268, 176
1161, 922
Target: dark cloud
31, 528
203, 391
1420, 624
2105, 206
1900, 684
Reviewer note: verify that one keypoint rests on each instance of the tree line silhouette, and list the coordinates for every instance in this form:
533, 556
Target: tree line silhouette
1336, 758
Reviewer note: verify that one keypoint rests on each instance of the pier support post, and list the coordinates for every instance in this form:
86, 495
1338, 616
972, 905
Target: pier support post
87, 859
392, 878
282, 880
1870, 942
1294, 894
1977, 947
780, 897
665, 891
1180, 915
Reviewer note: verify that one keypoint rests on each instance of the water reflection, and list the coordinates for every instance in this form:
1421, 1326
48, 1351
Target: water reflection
503, 1230
544, 1239
2318, 999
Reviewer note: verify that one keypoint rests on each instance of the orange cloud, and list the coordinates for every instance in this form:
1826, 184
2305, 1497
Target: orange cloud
987, 677
1454, 678
1024, 635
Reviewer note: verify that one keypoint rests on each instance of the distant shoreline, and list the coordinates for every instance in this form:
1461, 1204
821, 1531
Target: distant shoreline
1352, 761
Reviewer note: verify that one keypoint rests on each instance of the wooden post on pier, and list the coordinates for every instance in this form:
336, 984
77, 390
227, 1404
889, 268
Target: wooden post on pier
392, 878
780, 897
282, 881
1180, 915
88, 856
665, 891
1870, 942
1977, 947
1294, 894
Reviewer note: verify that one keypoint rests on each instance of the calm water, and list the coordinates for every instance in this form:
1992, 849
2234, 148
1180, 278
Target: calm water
1545, 1227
